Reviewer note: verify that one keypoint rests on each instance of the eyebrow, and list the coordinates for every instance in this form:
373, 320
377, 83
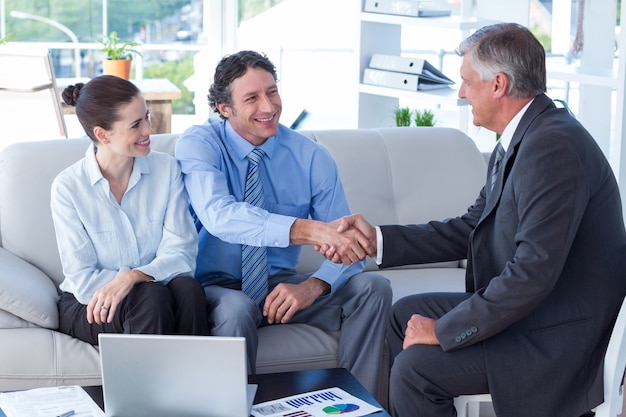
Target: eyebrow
259, 91
141, 118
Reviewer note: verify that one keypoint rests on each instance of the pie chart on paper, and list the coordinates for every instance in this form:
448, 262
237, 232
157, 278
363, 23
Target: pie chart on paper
340, 409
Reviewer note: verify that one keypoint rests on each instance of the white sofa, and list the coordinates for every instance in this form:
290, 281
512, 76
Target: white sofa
395, 175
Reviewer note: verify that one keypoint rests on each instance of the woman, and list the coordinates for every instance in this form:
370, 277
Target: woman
126, 239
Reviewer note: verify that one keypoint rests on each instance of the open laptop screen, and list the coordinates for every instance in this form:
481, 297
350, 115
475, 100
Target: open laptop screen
183, 376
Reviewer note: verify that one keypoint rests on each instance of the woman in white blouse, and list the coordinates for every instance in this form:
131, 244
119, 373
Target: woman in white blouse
125, 235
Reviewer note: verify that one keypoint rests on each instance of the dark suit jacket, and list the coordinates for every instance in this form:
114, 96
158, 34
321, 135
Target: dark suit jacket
546, 254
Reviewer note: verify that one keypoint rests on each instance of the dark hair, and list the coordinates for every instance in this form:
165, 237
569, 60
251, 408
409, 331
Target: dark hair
98, 101
232, 67
512, 49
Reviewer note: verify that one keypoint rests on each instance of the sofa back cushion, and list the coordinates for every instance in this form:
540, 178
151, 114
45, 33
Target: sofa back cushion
26, 173
404, 175
393, 175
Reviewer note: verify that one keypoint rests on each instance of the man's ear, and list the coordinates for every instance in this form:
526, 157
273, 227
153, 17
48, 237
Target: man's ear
224, 109
500, 85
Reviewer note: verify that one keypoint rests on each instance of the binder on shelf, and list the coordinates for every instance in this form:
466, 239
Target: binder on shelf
400, 80
417, 66
404, 8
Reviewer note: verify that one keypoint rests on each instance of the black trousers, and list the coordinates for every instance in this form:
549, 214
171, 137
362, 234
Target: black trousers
150, 308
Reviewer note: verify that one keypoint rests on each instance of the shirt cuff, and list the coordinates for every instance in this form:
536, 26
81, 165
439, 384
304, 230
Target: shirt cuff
379, 246
277, 230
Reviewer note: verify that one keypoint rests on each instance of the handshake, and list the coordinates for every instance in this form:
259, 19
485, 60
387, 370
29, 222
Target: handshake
348, 240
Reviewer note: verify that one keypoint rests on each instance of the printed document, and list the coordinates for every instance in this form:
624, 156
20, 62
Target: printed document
323, 403
49, 402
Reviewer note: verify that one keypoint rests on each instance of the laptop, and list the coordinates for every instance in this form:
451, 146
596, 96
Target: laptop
183, 376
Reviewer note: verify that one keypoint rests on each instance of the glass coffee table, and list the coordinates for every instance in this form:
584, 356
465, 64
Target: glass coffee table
285, 384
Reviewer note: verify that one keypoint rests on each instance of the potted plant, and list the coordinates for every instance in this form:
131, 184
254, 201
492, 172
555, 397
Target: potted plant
406, 116
5, 39
424, 118
403, 116
119, 55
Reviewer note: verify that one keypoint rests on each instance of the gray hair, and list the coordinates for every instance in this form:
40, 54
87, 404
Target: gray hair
511, 49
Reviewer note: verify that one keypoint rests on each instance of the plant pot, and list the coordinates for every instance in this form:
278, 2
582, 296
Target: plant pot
117, 67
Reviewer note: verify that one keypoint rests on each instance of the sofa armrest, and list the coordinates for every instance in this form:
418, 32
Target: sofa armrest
27, 292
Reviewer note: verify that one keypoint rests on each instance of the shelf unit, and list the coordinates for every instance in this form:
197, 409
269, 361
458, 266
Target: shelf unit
600, 77
602, 96
381, 33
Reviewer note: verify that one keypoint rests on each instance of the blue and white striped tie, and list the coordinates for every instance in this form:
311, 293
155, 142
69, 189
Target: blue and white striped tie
254, 258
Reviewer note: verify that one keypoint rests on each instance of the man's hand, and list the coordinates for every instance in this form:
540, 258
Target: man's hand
353, 224
349, 246
102, 306
420, 330
287, 299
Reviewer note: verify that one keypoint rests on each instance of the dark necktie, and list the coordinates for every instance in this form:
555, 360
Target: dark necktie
496, 164
254, 258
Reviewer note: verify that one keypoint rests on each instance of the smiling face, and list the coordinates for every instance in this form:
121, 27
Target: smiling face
256, 106
130, 136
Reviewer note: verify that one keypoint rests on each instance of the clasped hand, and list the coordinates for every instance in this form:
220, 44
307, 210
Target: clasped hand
356, 239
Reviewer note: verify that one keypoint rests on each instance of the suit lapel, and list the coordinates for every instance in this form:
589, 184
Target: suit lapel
537, 107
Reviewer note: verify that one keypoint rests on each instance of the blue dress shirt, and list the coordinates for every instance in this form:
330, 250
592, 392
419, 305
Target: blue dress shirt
151, 230
300, 180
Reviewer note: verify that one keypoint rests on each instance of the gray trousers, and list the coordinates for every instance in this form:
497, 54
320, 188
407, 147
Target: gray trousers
360, 309
424, 379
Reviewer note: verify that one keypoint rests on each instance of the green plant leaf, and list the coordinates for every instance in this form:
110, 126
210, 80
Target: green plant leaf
424, 118
116, 48
403, 116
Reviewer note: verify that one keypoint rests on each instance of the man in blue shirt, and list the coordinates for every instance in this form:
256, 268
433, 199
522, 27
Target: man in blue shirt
301, 193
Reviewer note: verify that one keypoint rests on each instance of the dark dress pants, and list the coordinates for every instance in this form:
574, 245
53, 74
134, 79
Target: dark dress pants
424, 379
149, 308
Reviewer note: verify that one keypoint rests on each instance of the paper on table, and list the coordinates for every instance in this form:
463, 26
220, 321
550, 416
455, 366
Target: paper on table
49, 402
320, 403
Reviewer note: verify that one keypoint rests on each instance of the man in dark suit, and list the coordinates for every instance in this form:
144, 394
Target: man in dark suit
546, 251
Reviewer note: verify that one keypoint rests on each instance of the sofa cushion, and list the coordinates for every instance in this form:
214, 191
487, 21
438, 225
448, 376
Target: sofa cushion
37, 357
406, 175
297, 346
11, 321
422, 280
26, 292
26, 173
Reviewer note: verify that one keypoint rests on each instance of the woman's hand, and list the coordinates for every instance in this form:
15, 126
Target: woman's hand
101, 309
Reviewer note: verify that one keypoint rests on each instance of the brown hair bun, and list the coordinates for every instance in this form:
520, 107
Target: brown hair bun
71, 92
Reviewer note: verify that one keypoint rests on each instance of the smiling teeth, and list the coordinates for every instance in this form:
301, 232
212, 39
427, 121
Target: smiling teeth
265, 120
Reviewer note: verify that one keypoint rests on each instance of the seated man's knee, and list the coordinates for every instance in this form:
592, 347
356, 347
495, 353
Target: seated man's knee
234, 311
373, 285
408, 364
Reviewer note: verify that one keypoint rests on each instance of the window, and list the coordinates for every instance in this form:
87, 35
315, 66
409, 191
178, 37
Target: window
168, 31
